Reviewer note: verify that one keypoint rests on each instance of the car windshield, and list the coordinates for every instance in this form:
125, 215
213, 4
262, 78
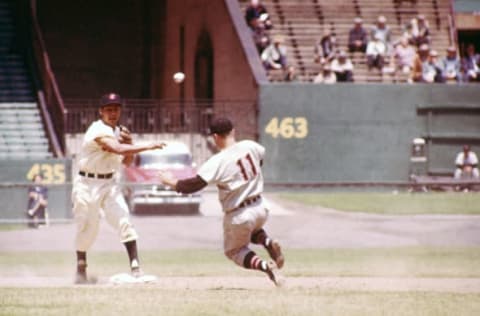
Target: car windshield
153, 161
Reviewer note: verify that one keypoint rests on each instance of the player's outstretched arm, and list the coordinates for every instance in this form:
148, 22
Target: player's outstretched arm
186, 186
112, 145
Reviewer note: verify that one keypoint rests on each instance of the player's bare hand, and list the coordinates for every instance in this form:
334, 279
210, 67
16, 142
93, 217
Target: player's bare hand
167, 178
157, 145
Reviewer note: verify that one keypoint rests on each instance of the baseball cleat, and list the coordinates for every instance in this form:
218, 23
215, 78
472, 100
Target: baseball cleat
82, 278
274, 274
137, 272
275, 252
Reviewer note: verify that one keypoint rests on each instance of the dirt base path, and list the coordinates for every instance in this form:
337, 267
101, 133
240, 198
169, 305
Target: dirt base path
295, 225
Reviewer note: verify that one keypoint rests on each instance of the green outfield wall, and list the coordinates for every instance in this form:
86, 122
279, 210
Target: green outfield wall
15, 180
358, 132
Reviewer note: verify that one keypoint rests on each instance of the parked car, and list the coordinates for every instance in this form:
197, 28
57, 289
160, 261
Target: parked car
146, 195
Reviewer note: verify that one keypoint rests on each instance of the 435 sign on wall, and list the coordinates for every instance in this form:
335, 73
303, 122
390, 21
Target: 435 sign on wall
53, 171
287, 127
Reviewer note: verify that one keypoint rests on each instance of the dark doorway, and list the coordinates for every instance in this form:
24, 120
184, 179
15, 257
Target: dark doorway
466, 37
204, 67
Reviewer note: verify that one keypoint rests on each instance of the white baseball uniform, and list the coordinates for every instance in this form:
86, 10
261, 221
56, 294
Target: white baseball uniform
94, 192
236, 170
470, 160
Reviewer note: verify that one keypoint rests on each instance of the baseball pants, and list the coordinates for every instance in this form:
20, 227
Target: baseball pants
459, 173
238, 227
90, 198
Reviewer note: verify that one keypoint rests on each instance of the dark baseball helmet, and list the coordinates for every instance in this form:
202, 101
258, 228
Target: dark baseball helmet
111, 98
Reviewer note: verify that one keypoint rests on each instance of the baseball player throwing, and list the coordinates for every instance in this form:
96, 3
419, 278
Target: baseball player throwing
236, 170
105, 147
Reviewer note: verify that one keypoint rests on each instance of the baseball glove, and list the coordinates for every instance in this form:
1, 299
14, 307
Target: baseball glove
125, 136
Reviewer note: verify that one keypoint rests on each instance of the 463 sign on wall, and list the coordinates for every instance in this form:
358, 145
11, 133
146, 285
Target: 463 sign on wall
287, 127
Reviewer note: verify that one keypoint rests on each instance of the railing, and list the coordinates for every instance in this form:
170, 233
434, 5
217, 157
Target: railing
167, 116
246, 41
50, 99
452, 28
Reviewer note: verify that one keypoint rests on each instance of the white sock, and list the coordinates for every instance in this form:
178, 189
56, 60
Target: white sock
134, 264
268, 241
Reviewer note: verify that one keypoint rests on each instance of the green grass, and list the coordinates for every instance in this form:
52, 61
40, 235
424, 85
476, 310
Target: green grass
153, 300
389, 203
395, 262
8, 227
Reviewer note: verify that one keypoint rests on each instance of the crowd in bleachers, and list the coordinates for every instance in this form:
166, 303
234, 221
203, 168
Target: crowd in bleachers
410, 56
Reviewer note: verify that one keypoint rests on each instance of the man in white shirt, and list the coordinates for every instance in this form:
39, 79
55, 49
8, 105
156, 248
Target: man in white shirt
274, 56
236, 170
326, 75
342, 67
451, 65
382, 31
376, 50
466, 164
106, 146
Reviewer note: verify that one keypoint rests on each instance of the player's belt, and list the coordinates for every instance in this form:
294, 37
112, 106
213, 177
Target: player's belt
96, 175
248, 202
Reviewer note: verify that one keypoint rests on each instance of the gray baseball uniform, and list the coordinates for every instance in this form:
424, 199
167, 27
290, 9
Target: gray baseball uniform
236, 171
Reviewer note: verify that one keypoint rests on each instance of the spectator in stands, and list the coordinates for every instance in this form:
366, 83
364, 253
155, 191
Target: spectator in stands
404, 56
291, 74
376, 51
342, 67
471, 64
419, 31
466, 164
382, 31
257, 11
418, 64
326, 76
37, 214
451, 66
358, 37
408, 34
432, 70
260, 36
275, 55
325, 48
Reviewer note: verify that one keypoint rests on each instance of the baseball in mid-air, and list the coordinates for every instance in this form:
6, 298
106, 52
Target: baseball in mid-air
178, 77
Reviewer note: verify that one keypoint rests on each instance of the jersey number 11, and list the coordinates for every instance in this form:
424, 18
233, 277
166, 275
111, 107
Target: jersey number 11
249, 159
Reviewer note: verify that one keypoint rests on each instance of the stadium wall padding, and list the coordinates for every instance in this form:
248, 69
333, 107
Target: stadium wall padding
15, 180
356, 132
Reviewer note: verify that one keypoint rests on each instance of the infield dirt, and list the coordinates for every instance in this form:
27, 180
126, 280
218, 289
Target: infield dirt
296, 226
